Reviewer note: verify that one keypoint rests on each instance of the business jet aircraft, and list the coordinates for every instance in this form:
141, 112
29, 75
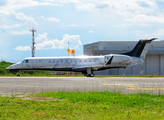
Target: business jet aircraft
86, 64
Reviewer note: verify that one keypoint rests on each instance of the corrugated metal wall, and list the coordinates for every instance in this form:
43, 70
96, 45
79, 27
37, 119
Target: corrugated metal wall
152, 65
162, 65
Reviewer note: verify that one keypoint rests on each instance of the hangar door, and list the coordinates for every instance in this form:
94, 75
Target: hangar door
162, 64
152, 65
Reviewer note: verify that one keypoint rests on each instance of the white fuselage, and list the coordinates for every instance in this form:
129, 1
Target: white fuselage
75, 63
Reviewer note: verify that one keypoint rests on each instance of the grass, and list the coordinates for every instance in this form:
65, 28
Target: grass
84, 105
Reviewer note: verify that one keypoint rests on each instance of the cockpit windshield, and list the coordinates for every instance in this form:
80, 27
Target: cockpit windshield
25, 61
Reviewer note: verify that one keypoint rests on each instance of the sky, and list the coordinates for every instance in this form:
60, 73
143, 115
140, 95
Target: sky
78, 22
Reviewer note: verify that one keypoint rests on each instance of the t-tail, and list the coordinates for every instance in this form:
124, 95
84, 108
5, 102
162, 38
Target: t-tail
141, 48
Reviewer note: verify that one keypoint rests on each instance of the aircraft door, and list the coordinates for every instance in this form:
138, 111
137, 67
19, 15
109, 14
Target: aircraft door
34, 63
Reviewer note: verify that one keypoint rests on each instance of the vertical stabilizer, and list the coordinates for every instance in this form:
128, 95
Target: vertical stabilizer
141, 48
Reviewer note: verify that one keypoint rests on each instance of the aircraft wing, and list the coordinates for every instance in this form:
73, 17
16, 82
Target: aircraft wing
81, 68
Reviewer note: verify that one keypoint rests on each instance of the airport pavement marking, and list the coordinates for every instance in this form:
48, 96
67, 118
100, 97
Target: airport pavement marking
134, 87
128, 85
138, 88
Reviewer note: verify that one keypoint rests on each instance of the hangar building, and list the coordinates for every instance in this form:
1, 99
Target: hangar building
153, 65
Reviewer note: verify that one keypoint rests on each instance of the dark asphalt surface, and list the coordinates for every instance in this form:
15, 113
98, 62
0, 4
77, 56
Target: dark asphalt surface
18, 85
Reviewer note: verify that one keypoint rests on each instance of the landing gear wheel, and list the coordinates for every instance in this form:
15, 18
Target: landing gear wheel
88, 75
18, 75
92, 75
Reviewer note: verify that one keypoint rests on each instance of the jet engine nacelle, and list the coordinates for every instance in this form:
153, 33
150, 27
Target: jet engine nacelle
112, 59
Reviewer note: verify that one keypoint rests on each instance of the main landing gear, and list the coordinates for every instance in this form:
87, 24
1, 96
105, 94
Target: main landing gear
90, 75
90, 72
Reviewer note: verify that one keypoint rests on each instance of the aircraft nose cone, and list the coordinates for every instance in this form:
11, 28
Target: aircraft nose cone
8, 68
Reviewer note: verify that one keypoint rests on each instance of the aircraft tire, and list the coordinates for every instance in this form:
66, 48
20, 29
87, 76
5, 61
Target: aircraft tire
92, 75
88, 75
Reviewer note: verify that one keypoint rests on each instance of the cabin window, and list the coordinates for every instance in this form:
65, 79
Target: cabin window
75, 61
79, 60
70, 60
89, 60
85, 61
61, 61
53, 61
94, 60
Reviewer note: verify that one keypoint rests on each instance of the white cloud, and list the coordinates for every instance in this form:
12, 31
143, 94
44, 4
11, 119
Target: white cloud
13, 26
49, 0
79, 42
146, 34
19, 4
122, 25
137, 12
11, 6
4, 12
59, 44
146, 19
85, 7
25, 48
20, 32
23, 17
19, 16
49, 4
134, 11
74, 1
42, 42
51, 19
74, 25
4, 19
41, 37
91, 31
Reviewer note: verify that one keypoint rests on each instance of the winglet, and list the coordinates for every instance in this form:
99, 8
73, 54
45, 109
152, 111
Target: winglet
149, 40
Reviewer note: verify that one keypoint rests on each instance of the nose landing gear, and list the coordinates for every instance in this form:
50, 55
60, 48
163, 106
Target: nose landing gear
18, 75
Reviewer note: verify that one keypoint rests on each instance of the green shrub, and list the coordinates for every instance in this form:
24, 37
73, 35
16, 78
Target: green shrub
4, 65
